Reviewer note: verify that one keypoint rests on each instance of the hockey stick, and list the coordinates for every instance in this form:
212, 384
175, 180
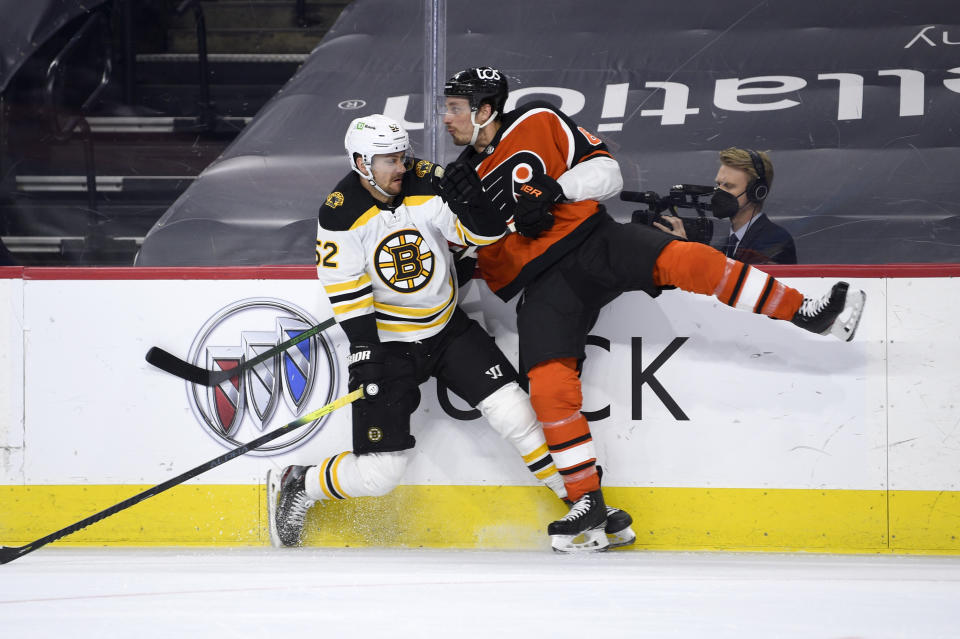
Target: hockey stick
184, 370
9, 553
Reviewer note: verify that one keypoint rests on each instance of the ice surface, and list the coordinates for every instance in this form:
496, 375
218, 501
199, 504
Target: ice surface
283, 594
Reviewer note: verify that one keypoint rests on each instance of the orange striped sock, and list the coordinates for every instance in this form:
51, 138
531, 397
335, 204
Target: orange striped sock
556, 398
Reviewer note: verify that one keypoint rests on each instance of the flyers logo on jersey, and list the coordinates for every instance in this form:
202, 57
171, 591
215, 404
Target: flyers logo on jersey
404, 262
518, 169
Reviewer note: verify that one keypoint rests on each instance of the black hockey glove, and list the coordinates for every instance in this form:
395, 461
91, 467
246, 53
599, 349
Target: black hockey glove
460, 184
365, 366
532, 215
461, 189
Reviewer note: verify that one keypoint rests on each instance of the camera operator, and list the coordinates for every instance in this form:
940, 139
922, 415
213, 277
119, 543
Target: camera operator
743, 184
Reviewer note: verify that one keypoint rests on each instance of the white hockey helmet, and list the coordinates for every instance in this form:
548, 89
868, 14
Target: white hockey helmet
374, 135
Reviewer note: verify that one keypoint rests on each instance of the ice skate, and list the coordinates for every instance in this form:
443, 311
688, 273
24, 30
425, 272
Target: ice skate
287, 505
581, 529
618, 530
837, 313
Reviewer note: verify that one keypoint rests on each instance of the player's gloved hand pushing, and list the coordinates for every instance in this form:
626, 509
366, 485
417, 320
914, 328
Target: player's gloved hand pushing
460, 184
461, 189
535, 199
365, 366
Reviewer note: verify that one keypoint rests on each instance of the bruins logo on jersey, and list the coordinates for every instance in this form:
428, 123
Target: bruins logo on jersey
335, 199
404, 262
424, 167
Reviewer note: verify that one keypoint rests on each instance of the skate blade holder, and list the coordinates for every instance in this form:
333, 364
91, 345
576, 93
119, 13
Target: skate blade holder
846, 324
594, 540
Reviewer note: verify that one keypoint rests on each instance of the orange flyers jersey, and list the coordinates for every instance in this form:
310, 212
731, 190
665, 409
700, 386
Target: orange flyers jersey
533, 139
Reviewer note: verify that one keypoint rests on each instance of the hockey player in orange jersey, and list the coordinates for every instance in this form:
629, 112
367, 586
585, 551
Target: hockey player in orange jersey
569, 259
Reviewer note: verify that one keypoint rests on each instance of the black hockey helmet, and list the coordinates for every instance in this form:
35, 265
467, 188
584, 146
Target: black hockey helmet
479, 85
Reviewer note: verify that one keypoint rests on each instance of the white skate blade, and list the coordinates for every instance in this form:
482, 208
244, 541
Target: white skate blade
273, 489
593, 540
624, 537
845, 326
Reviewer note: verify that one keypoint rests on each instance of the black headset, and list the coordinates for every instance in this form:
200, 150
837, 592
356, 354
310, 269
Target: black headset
758, 189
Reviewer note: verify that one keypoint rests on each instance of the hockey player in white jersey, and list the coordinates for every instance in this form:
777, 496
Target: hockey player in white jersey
384, 263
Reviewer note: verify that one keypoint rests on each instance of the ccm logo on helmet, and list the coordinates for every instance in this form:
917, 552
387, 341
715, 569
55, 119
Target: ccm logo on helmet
486, 73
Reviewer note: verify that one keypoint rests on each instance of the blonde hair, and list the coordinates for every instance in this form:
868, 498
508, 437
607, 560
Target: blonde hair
737, 158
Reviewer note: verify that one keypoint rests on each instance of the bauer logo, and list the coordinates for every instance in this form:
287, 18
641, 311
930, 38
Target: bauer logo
271, 393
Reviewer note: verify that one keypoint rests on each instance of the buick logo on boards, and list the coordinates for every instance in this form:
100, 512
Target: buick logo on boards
272, 393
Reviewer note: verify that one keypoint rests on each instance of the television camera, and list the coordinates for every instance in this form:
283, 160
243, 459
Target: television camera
681, 196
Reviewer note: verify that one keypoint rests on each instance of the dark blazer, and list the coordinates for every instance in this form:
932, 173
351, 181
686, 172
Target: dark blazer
766, 243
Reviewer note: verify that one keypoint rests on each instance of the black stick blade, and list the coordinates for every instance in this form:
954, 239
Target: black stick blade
8, 554
184, 370
176, 366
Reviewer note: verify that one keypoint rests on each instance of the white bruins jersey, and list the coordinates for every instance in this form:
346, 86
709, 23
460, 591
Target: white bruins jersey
391, 265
